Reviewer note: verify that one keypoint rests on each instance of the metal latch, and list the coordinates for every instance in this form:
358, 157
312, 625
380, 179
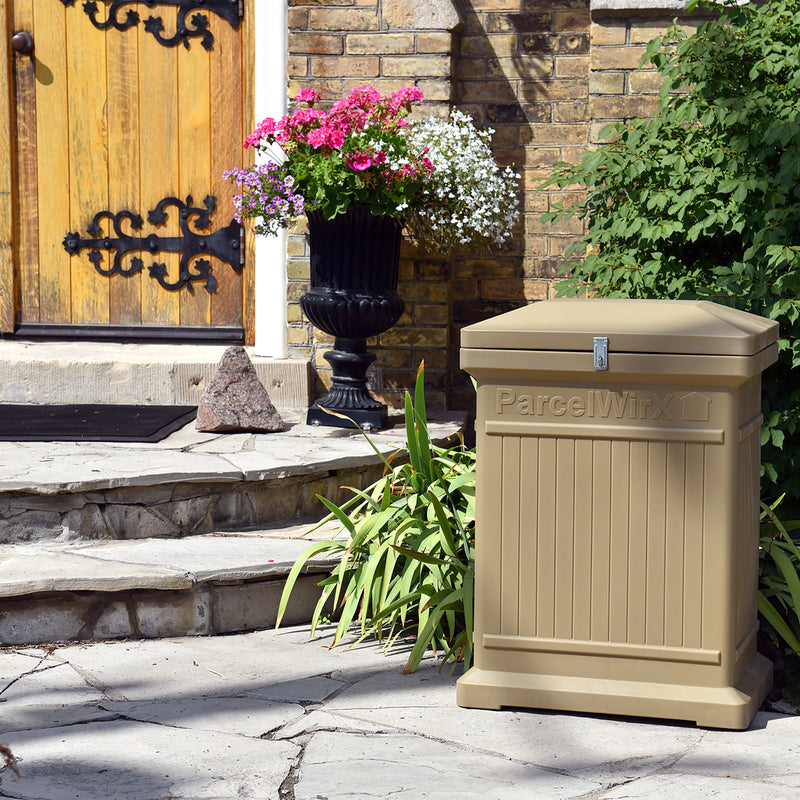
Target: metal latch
600, 352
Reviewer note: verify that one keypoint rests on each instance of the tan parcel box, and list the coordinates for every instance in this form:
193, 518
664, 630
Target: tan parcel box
618, 501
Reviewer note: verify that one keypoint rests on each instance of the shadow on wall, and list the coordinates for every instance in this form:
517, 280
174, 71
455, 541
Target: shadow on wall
525, 74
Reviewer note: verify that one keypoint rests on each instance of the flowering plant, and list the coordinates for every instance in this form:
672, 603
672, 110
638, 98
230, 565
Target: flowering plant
438, 176
465, 198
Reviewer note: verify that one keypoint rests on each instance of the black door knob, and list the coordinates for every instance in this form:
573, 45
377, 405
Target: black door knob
22, 42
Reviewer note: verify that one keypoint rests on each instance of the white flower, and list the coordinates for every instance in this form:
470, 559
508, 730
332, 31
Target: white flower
467, 199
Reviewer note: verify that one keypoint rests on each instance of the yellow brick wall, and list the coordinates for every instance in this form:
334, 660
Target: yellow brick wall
547, 75
334, 47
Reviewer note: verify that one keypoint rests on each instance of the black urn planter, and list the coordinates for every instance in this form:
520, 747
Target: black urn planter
354, 264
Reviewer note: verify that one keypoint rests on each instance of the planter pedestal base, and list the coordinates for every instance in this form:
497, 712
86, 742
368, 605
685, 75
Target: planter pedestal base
348, 395
367, 419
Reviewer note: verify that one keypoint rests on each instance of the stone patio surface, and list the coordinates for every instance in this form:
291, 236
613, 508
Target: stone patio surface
272, 716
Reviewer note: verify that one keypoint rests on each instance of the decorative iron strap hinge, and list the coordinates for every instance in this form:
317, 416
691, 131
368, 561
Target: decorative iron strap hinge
231, 10
224, 244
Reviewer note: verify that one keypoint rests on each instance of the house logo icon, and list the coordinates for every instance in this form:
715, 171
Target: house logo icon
695, 407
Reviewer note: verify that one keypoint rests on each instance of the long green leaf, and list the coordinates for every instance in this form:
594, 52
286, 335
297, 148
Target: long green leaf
294, 573
349, 608
444, 526
424, 640
318, 609
405, 600
411, 436
772, 616
388, 571
421, 422
373, 563
789, 572
338, 513
425, 558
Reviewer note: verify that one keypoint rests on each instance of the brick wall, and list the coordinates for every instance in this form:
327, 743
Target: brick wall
522, 68
547, 75
618, 89
336, 46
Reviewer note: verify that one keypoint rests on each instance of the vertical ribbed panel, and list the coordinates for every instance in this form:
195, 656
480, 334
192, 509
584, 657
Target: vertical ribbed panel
603, 540
745, 554
528, 509
675, 543
509, 553
693, 526
546, 549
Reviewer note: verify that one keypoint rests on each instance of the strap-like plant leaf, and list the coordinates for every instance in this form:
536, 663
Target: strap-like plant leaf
774, 618
425, 637
421, 421
444, 526
415, 554
338, 513
297, 567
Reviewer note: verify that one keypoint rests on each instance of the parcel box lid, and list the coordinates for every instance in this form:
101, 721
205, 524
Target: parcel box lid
632, 326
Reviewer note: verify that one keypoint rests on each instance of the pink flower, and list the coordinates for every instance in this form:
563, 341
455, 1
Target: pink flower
403, 98
363, 97
309, 96
408, 94
336, 138
263, 130
304, 116
359, 161
317, 138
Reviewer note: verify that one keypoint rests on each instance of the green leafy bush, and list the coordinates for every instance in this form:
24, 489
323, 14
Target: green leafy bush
703, 200
406, 568
779, 564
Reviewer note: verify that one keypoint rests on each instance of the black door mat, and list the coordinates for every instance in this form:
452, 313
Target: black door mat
91, 423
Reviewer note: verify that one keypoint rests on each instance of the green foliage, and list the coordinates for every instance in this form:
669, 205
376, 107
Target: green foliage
703, 200
779, 565
407, 565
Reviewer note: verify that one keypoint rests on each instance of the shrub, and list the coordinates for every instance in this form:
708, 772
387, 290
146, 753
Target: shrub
406, 567
703, 200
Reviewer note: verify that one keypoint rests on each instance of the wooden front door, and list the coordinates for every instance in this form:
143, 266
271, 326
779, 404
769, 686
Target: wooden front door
122, 127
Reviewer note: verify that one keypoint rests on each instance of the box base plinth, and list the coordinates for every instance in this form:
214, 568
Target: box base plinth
731, 707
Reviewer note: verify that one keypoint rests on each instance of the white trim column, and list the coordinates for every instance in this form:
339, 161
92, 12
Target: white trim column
271, 47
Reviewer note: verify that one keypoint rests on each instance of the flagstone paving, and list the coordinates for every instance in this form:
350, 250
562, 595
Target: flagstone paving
273, 716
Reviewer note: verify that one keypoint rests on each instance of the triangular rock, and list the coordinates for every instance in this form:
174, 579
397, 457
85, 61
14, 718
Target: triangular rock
235, 399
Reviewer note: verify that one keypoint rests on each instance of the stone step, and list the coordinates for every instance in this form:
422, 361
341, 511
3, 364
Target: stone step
189, 483
56, 372
110, 540
155, 588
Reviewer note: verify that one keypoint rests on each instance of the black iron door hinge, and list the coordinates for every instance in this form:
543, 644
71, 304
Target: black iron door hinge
230, 10
224, 244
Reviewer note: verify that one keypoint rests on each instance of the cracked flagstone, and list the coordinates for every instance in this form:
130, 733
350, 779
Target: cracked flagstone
43, 682
275, 717
127, 760
670, 787
236, 715
597, 747
348, 766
